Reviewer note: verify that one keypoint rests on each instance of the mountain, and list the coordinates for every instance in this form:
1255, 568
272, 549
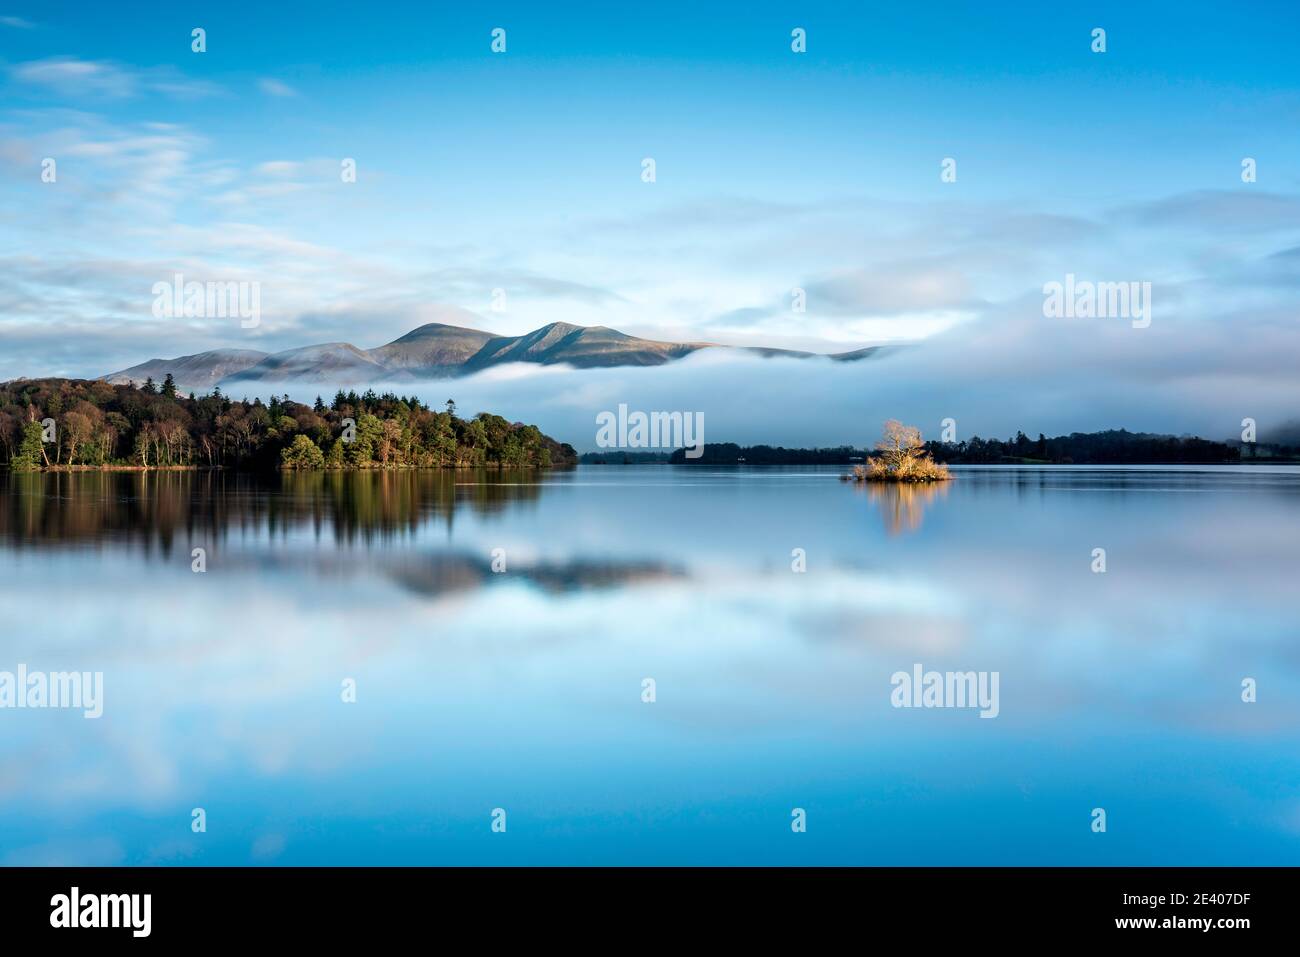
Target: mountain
583, 346
197, 373
330, 362
857, 354
433, 351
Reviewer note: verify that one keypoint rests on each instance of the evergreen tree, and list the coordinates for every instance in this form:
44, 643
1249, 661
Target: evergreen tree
30, 451
334, 459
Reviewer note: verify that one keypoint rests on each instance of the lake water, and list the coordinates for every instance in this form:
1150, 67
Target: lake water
522, 689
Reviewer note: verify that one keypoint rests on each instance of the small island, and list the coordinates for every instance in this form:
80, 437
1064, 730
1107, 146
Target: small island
900, 456
77, 424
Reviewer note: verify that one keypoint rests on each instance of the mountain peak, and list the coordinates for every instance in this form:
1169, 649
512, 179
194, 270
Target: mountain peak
561, 328
431, 329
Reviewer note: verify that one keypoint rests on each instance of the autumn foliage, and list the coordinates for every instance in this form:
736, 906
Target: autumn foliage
901, 456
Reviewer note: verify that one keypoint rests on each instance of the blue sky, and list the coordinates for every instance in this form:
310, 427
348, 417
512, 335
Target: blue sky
521, 171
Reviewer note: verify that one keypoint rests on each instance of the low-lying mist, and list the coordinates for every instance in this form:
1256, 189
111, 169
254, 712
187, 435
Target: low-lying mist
1027, 373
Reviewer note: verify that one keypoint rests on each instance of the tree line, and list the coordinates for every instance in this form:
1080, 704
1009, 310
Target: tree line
53, 423
1112, 447
729, 453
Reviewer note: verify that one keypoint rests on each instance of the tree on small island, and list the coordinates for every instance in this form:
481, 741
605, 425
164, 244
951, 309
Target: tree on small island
900, 456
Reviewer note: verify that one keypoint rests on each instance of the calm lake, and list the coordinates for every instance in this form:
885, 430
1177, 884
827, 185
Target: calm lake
522, 689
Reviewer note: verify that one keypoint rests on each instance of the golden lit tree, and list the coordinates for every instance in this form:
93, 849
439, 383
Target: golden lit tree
900, 445
901, 456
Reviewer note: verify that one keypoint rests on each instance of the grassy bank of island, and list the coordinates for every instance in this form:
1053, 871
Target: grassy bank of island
57, 424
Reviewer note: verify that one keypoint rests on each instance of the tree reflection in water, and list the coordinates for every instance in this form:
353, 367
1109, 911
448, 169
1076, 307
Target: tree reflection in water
155, 509
903, 504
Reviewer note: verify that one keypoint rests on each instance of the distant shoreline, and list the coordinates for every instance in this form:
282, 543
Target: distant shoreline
1244, 464
1109, 447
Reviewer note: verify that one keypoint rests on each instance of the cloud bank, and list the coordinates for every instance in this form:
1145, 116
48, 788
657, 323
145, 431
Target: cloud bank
1017, 371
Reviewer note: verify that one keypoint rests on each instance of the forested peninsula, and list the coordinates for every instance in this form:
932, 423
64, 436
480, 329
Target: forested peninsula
52, 424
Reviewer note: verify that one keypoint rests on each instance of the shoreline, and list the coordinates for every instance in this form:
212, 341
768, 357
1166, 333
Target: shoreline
59, 469
1244, 463
973, 466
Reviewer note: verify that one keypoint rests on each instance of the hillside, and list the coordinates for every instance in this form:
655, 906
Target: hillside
197, 373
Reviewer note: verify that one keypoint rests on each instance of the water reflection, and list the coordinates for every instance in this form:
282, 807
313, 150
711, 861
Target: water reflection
447, 574
902, 506
154, 509
166, 514
522, 688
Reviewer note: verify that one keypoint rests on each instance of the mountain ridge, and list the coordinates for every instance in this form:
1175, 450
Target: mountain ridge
434, 350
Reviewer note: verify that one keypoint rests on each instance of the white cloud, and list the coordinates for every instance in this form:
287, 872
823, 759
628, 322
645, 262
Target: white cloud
150, 199
73, 77
279, 168
273, 87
